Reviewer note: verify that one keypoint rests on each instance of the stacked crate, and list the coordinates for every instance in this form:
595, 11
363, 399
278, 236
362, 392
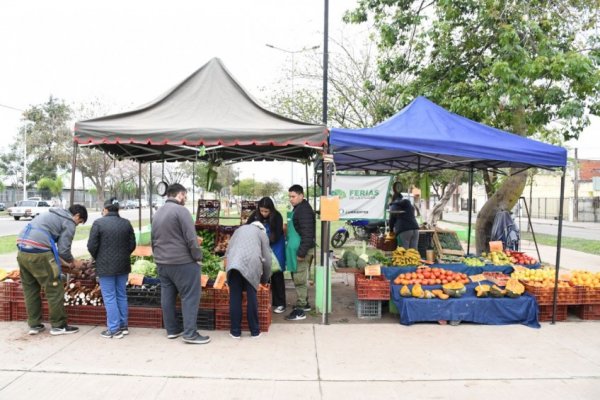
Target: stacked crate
222, 318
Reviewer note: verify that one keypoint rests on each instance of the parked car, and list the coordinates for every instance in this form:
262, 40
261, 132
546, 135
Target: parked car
2, 206
130, 204
28, 209
158, 202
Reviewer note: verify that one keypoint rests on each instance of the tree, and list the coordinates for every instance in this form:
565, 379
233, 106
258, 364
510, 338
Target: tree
54, 186
48, 138
529, 67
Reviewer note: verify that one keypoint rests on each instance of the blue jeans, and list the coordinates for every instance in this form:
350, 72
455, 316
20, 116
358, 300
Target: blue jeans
114, 296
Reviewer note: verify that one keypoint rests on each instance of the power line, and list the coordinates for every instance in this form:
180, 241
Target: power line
12, 108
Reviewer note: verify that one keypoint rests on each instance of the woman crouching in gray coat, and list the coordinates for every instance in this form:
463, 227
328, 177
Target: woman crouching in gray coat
248, 264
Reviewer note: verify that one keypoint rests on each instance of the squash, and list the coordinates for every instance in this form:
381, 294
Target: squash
495, 291
429, 295
482, 290
397, 280
417, 291
405, 291
440, 294
514, 288
454, 289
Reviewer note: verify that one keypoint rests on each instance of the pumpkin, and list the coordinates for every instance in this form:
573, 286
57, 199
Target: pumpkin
417, 291
405, 291
440, 294
454, 289
495, 291
514, 288
482, 290
429, 295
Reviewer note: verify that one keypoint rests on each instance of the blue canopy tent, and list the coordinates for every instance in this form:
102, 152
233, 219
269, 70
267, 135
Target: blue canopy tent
425, 137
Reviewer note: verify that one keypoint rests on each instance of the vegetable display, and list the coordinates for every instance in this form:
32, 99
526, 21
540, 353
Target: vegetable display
144, 267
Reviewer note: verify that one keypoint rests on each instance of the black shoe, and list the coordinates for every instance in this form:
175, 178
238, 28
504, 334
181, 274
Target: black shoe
306, 308
108, 334
34, 330
174, 335
124, 330
64, 330
296, 315
198, 339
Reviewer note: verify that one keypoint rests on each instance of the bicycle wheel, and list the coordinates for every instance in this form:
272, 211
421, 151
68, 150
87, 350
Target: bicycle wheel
338, 239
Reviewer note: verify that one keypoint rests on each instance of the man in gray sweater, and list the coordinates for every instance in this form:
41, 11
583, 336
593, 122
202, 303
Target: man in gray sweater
177, 254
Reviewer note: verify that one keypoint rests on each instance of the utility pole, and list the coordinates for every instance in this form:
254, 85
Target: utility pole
576, 188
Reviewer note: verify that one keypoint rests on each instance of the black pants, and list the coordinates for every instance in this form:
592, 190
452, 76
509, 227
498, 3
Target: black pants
278, 289
237, 284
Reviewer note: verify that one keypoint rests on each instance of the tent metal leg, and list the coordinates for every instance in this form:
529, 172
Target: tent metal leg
470, 208
73, 168
537, 249
558, 243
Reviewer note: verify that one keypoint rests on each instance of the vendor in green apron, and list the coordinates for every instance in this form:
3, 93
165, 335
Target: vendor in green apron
300, 239
44, 244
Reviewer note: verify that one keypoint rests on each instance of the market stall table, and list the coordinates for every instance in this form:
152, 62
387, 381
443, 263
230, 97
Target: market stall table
468, 308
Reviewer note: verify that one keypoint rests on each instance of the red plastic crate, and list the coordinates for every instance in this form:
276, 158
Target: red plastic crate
565, 296
19, 312
590, 296
546, 312
590, 312
86, 315
145, 317
374, 288
5, 311
263, 297
223, 323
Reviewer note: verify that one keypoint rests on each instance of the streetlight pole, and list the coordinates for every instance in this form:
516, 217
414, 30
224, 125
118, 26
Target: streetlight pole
293, 53
25, 160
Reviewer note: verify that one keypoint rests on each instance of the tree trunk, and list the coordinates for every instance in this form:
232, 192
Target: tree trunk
438, 209
505, 198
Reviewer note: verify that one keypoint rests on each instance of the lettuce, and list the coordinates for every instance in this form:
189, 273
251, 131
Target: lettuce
144, 267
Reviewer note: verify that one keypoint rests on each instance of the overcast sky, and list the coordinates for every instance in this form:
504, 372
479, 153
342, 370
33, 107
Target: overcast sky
127, 52
124, 53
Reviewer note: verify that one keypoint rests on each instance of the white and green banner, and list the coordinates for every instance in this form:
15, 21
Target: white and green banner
361, 197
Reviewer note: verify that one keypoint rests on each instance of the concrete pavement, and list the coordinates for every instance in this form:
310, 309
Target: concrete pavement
298, 361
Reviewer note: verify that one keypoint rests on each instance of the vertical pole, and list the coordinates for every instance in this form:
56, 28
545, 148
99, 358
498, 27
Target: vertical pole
151, 206
73, 168
83, 186
558, 243
325, 225
194, 184
576, 188
140, 197
25, 163
470, 208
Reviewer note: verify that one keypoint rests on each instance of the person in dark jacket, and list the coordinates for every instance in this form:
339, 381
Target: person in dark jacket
44, 246
300, 239
273, 223
404, 223
111, 243
177, 253
248, 264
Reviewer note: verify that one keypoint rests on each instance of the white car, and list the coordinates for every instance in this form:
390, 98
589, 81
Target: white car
28, 209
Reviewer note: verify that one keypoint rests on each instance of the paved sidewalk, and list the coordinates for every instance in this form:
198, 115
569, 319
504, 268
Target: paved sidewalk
297, 361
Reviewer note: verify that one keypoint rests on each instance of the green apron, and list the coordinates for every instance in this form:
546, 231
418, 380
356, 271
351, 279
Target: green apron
292, 245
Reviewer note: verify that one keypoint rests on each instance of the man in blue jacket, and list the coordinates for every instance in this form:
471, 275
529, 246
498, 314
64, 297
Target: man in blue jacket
44, 245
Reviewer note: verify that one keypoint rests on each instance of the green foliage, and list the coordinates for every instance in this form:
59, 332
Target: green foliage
513, 65
55, 186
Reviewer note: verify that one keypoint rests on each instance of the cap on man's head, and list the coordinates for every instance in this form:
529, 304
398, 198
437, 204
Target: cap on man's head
111, 204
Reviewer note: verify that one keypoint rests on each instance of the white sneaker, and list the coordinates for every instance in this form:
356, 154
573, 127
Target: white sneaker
279, 310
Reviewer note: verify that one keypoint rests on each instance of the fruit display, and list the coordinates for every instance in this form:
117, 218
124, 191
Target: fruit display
417, 291
430, 276
474, 261
518, 257
586, 278
482, 290
405, 291
440, 294
535, 275
497, 257
223, 242
495, 291
497, 278
454, 289
403, 257
514, 288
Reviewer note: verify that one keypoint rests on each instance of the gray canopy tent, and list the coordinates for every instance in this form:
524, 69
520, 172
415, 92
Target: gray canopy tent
207, 117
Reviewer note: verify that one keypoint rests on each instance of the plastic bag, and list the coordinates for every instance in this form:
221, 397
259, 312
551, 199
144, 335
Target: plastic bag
275, 267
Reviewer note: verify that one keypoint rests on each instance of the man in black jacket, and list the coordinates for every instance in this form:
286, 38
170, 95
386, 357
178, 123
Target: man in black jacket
300, 239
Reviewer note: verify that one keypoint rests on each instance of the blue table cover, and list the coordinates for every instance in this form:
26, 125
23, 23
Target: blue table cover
469, 308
